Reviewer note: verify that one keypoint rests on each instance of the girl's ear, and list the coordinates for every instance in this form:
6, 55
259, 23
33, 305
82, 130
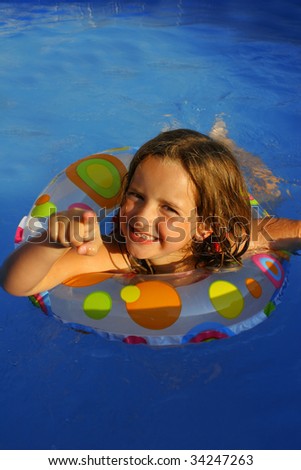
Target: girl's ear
202, 232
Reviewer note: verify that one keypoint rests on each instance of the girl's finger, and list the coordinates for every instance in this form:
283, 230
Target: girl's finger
76, 231
52, 229
90, 222
89, 248
63, 236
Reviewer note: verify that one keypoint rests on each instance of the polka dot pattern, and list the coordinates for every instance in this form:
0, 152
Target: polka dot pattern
130, 294
97, 305
207, 331
43, 207
152, 310
80, 205
254, 287
157, 307
134, 340
98, 176
271, 267
101, 175
226, 298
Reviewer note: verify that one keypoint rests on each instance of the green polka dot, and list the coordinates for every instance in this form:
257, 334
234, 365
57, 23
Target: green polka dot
100, 175
253, 202
269, 308
130, 294
97, 305
34, 301
44, 210
226, 298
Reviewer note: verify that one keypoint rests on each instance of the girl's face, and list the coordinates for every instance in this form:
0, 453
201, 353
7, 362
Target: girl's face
158, 215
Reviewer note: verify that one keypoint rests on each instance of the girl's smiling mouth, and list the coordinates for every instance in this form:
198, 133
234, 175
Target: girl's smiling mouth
138, 236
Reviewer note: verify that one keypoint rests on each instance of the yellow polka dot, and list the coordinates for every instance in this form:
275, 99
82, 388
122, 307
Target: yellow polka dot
158, 306
254, 287
226, 298
130, 294
97, 305
101, 175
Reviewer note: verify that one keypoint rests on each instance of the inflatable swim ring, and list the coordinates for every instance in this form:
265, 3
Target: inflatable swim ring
158, 310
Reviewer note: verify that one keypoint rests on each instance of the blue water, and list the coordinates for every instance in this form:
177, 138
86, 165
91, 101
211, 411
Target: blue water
79, 77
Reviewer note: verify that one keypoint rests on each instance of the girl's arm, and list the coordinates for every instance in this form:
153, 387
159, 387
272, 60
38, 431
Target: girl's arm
28, 268
276, 233
36, 266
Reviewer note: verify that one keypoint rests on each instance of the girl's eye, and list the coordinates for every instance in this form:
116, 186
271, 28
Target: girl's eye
133, 195
170, 209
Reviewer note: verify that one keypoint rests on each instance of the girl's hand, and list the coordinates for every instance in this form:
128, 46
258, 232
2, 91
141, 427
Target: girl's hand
77, 229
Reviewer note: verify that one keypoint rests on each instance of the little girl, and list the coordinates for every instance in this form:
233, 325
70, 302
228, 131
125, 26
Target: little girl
184, 204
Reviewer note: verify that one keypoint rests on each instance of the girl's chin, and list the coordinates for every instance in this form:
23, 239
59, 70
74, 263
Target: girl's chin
141, 250
144, 250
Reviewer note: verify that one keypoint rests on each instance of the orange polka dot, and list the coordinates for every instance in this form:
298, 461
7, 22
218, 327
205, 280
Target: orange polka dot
89, 279
254, 287
272, 267
42, 199
157, 308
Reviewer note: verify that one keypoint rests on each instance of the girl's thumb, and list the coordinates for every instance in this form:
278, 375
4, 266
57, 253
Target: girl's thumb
89, 248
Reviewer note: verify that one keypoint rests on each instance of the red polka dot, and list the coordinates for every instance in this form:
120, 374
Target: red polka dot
134, 340
207, 336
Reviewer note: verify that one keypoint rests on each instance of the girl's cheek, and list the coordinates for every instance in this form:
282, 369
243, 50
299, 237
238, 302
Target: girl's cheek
179, 231
170, 232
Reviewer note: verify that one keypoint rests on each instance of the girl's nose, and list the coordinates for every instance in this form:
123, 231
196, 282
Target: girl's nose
145, 216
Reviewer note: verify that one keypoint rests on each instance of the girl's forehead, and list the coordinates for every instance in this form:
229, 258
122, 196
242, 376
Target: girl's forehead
166, 173
164, 168
166, 163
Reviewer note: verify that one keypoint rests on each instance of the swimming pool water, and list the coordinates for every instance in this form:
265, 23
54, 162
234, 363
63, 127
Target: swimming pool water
79, 77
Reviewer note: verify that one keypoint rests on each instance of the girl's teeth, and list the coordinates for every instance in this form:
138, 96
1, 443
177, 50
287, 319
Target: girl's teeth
145, 237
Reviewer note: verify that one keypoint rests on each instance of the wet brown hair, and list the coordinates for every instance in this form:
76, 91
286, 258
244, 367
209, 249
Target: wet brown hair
222, 198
